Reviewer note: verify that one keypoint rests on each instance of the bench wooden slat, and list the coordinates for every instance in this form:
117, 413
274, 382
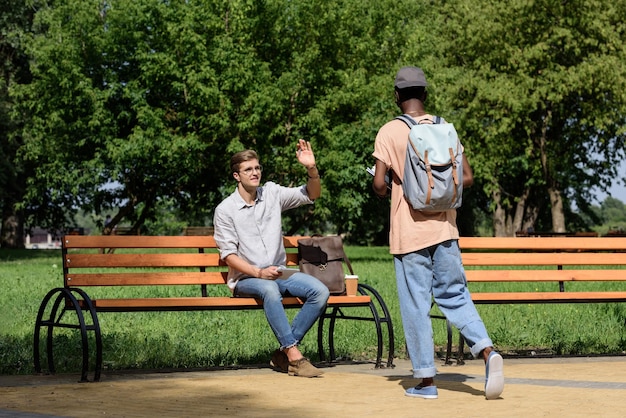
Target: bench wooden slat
146, 279
541, 259
213, 302
545, 297
142, 260
545, 275
547, 243
130, 241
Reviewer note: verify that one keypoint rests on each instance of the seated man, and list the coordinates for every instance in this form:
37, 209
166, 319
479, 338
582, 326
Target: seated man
248, 232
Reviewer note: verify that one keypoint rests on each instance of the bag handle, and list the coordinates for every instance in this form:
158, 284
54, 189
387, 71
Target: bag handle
347, 260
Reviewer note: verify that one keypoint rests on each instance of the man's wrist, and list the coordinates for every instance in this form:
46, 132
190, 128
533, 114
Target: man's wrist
313, 172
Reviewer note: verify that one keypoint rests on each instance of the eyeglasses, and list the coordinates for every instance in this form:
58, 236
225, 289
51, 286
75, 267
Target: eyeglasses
248, 171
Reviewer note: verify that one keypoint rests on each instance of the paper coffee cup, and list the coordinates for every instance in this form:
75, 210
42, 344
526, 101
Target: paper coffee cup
352, 283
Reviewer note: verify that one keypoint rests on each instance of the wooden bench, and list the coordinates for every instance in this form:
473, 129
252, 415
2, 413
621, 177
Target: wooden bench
567, 264
125, 230
191, 261
197, 230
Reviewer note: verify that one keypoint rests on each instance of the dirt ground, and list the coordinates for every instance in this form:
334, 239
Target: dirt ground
567, 387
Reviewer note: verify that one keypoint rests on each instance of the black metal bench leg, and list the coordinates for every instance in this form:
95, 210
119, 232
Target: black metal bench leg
95, 327
53, 320
460, 358
336, 313
365, 289
449, 344
320, 337
39, 322
66, 296
331, 335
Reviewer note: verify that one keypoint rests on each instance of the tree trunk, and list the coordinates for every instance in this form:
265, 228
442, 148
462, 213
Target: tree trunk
520, 209
12, 235
499, 216
530, 217
558, 216
556, 198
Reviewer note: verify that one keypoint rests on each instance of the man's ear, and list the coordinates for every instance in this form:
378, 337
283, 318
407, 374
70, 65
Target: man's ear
236, 176
424, 96
397, 96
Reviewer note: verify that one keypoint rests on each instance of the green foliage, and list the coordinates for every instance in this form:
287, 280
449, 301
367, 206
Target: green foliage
15, 20
133, 103
136, 101
537, 90
610, 215
613, 211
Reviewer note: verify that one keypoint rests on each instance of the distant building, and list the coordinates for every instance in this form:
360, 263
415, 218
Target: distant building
41, 239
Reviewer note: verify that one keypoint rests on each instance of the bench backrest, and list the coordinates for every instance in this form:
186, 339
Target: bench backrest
147, 260
557, 258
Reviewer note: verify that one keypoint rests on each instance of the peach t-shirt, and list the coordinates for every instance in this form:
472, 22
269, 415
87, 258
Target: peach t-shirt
411, 230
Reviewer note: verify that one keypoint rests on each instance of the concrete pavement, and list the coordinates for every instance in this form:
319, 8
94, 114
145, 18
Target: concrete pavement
534, 387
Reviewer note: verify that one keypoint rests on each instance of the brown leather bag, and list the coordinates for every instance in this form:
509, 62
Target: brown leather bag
323, 258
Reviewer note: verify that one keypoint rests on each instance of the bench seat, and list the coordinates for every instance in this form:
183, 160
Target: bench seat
211, 303
547, 297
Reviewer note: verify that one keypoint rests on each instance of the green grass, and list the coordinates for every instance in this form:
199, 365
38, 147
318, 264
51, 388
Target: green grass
227, 338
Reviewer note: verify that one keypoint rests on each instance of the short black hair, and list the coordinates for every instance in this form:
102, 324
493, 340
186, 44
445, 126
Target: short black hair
411, 93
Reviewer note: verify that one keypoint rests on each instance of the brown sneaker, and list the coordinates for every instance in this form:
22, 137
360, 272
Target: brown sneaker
279, 361
303, 368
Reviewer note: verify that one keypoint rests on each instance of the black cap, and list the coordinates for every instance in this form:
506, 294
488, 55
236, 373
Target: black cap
410, 77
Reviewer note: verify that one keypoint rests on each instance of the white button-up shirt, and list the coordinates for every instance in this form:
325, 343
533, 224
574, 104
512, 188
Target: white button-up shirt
254, 232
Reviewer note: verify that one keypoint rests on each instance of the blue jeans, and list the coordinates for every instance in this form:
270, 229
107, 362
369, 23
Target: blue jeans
301, 285
435, 272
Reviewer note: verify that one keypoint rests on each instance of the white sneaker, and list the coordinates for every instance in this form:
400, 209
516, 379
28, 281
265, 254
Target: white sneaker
494, 383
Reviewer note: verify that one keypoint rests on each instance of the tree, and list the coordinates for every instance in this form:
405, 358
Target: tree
135, 103
613, 213
15, 23
538, 91
339, 62
131, 103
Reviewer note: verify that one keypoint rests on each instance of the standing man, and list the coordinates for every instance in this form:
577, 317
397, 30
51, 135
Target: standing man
427, 258
248, 232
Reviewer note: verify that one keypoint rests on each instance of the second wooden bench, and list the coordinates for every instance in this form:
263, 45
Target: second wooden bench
563, 267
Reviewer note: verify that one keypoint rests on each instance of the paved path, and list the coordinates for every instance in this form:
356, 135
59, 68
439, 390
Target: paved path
561, 387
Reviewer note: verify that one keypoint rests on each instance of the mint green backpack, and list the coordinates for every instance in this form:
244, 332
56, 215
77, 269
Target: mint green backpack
433, 170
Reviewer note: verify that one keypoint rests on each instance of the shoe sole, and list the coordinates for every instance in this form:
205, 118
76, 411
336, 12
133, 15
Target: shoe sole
300, 375
275, 362
421, 395
412, 395
277, 367
495, 376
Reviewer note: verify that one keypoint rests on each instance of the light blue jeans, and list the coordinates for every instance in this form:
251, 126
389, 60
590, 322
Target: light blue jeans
314, 292
435, 272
